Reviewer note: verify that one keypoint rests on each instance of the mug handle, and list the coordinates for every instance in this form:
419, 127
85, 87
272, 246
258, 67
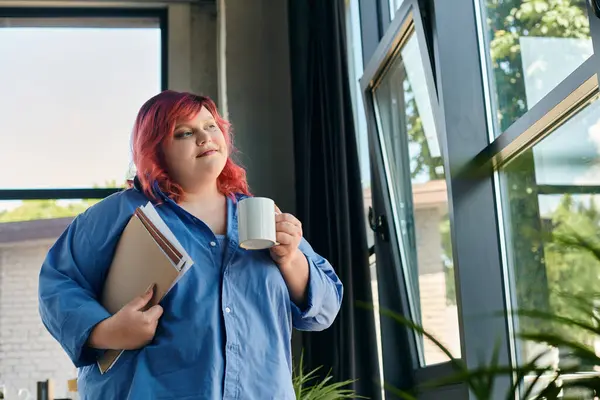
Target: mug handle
277, 212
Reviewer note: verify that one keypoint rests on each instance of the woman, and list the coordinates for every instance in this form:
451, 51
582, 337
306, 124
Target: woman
224, 331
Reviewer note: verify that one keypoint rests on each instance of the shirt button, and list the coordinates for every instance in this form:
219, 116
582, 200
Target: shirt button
213, 244
227, 310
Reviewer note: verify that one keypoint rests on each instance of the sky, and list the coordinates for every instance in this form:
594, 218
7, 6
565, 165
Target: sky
68, 101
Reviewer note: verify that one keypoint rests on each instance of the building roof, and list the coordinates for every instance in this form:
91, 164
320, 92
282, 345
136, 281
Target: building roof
425, 195
429, 194
13, 232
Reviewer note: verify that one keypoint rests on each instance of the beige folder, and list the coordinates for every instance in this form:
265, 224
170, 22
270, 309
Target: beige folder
147, 254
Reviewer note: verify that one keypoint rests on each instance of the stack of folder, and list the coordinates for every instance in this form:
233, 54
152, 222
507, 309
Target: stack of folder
147, 253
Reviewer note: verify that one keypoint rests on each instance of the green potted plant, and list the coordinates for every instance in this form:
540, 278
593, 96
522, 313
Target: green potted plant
545, 383
308, 387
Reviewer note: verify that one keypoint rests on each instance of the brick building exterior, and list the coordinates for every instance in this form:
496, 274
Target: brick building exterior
439, 315
28, 354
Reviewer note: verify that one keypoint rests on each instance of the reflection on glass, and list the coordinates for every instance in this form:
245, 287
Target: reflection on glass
417, 176
551, 202
377, 317
394, 6
532, 46
67, 108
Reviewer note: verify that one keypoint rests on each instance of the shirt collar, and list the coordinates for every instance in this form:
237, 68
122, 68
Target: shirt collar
159, 193
137, 185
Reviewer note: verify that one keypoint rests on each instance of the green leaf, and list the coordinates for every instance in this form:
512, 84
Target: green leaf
521, 373
542, 315
306, 389
550, 392
578, 351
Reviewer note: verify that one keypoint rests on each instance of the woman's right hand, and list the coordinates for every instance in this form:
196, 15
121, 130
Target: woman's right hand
130, 328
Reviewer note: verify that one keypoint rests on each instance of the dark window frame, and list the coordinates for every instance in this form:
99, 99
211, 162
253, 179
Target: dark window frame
453, 33
565, 100
401, 362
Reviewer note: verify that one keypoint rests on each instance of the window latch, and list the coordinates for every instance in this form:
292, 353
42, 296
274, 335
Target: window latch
378, 225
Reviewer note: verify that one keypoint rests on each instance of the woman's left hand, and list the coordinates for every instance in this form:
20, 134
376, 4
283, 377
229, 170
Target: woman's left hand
288, 234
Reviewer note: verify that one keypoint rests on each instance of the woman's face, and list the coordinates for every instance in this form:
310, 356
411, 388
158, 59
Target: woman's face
197, 153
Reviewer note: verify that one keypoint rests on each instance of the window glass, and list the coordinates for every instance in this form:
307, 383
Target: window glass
394, 6
551, 212
419, 196
68, 100
30, 210
531, 46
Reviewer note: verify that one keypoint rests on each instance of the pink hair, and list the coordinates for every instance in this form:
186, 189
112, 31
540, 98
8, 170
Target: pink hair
155, 124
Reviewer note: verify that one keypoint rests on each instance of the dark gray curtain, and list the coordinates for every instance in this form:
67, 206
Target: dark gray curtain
329, 201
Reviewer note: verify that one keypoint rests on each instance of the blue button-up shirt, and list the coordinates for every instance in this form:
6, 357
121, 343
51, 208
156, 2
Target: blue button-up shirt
227, 324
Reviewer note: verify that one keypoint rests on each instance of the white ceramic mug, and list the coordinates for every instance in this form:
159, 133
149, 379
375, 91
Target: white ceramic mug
256, 223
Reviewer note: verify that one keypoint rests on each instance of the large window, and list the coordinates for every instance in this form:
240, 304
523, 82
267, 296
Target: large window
408, 159
71, 83
499, 186
543, 108
68, 97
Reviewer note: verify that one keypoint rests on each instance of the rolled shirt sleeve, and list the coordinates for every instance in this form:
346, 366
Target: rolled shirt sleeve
324, 297
70, 278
